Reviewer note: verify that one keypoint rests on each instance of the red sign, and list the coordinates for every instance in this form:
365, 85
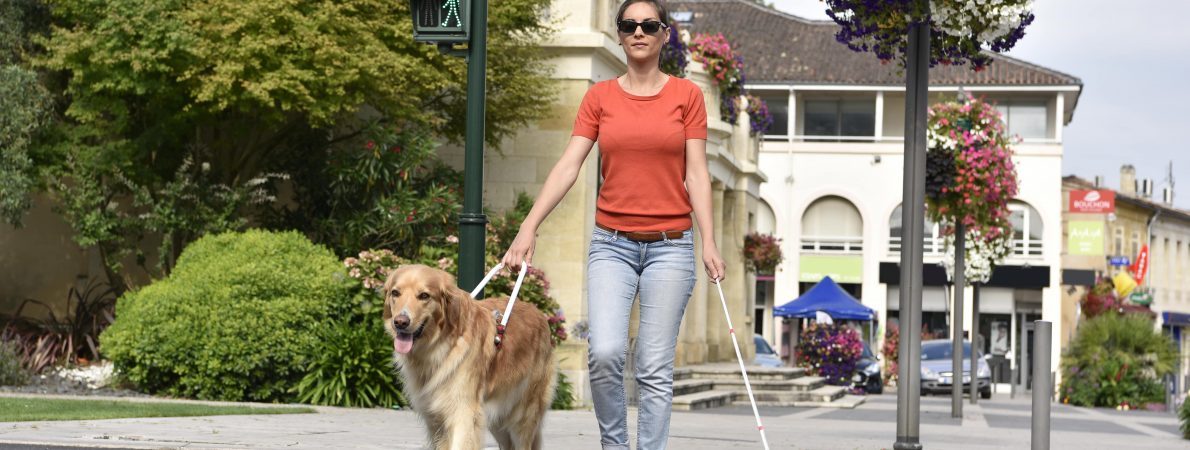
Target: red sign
1096, 201
1141, 267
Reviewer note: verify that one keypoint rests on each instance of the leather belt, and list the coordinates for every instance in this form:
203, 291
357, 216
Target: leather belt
642, 236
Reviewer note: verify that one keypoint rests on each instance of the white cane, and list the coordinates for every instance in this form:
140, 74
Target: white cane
747, 385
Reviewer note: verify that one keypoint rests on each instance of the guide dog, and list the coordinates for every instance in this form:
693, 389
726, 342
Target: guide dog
456, 377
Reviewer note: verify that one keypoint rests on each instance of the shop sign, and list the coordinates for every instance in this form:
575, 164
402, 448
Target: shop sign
841, 268
1140, 268
1084, 237
1093, 201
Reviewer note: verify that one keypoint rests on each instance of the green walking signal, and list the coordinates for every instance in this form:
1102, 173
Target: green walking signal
441, 21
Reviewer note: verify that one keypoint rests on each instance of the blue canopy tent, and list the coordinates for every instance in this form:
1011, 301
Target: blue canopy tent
828, 297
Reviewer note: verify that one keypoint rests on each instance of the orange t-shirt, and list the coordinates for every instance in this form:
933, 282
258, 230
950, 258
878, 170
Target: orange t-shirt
642, 144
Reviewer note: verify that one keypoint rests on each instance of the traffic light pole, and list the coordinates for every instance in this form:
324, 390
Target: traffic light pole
472, 222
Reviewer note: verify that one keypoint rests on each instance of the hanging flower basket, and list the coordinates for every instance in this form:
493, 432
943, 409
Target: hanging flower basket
981, 255
959, 30
758, 115
970, 178
726, 69
969, 171
673, 54
762, 253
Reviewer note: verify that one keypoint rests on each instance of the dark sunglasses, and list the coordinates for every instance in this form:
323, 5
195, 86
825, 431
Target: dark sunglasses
627, 26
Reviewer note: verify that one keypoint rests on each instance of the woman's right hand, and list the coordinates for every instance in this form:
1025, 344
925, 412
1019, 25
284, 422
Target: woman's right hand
521, 250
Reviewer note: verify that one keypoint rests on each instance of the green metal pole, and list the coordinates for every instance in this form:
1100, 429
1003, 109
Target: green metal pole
472, 221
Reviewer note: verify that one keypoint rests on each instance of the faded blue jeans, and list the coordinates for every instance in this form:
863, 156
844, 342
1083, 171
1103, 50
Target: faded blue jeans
662, 272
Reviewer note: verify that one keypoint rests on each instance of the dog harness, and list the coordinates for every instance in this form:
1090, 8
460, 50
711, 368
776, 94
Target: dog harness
502, 318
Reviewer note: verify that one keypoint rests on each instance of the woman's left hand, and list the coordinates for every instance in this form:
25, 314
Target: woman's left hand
716, 268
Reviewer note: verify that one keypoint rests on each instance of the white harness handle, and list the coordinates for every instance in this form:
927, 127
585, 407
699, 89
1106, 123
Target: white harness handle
516, 288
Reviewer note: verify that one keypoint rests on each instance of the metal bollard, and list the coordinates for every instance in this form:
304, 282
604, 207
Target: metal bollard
1043, 385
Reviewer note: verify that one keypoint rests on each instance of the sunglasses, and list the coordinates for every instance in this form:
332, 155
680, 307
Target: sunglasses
649, 26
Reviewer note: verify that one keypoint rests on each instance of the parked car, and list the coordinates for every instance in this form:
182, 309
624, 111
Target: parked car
765, 356
867, 373
937, 375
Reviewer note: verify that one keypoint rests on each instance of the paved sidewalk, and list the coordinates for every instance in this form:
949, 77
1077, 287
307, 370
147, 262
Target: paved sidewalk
996, 424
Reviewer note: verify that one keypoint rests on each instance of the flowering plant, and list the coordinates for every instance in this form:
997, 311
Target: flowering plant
758, 115
762, 252
830, 351
725, 67
959, 29
980, 256
673, 54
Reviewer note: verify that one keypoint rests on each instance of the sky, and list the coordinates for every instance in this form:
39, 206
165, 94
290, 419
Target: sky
1134, 63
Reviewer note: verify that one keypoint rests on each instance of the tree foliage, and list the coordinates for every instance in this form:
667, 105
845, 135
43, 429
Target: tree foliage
154, 90
25, 107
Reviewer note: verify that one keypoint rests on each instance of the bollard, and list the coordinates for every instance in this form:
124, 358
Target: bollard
1043, 385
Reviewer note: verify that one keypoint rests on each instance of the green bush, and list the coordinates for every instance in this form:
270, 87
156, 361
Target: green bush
236, 320
353, 367
1116, 361
563, 393
1184, 416
12, 373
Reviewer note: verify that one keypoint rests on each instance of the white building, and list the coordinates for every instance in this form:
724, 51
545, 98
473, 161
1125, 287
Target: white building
834, 163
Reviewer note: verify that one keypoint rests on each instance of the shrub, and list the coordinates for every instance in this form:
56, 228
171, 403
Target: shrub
563, 393
12, 373
68, 339
352, 367
1184, 416
1116, 361
830, 351
236, 320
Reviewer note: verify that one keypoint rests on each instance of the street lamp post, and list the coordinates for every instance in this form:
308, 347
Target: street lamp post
917, 66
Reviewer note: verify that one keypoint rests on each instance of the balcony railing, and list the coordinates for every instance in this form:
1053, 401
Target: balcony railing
934, 245
832, 244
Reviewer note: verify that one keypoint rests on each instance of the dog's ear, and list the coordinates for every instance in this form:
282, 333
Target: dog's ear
452, 299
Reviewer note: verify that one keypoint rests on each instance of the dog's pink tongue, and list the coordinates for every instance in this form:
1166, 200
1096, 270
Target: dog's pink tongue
403, 344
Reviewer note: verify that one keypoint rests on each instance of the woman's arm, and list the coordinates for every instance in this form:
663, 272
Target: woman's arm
698, 185
557, 184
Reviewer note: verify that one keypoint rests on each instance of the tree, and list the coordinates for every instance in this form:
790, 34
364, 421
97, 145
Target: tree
25, 107
248, 87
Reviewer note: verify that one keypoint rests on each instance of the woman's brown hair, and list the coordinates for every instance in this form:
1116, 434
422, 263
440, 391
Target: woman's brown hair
662, 14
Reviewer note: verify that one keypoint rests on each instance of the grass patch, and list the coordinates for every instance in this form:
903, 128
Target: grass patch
21, 409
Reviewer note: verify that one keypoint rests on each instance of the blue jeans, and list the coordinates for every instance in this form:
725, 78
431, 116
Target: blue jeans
662, 272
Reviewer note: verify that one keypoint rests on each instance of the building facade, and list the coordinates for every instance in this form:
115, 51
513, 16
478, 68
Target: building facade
1105, 243
834, 158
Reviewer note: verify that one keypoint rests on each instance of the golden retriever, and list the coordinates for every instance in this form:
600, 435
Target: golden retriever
456, 378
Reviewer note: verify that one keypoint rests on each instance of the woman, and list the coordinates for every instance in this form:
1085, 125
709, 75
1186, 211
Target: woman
652, 131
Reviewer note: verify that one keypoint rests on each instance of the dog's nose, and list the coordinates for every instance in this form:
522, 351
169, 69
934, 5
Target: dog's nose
401, 322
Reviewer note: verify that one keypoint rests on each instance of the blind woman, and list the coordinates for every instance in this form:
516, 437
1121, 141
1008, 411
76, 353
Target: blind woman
652, 130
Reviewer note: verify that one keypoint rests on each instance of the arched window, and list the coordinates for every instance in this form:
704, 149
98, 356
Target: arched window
766, 219
832, 225
931, 241
1026, 229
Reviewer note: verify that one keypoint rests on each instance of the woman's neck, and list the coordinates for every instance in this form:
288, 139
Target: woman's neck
643, 80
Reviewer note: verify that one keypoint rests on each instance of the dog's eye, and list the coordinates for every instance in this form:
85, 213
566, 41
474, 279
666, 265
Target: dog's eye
395, 293
423, 296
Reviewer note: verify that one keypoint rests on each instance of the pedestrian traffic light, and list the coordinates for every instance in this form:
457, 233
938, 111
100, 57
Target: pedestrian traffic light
441, 20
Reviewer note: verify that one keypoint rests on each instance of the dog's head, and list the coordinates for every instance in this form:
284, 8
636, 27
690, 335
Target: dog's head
420, 301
